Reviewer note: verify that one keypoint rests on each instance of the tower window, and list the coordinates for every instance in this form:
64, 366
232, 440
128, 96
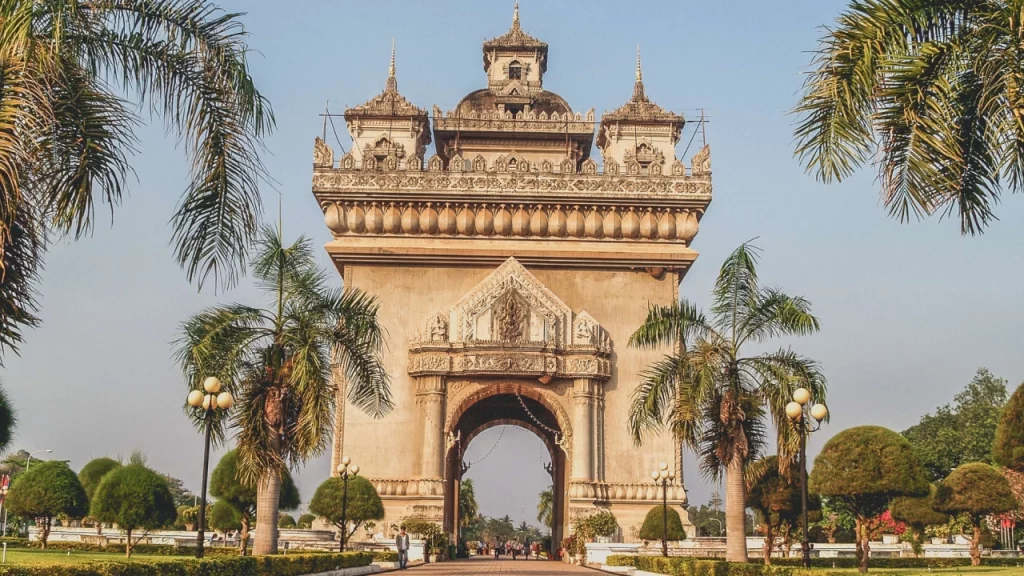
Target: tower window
515, 71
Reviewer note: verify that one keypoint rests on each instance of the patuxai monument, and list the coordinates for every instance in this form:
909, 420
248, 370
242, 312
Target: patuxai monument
511, 267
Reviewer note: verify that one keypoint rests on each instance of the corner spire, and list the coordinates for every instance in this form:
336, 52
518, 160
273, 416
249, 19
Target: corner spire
392, 83
638, 88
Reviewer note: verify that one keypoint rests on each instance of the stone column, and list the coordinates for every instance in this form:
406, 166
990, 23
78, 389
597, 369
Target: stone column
430, 395
340, 400
583, 430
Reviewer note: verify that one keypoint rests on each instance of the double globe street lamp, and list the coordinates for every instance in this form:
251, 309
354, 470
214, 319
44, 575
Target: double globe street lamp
798, 411
345, 469
209, 400
663, 476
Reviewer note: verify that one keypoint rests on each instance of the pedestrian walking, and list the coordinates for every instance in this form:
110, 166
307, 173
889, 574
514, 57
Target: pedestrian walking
402, 543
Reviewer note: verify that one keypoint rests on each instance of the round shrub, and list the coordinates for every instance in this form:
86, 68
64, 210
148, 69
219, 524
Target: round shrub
654, 524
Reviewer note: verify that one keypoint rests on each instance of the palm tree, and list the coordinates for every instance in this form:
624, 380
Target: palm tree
277, 362
713, 398
67, 131
546, 506
929, 91
467, 503
7, 420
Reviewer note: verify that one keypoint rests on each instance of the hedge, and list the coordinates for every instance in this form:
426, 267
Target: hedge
292, 565
894, 562
147, 549
681, 566
385, 556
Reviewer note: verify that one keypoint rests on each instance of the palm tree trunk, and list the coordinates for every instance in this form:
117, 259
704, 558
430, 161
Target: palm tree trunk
268, 496
976, 546
735, 512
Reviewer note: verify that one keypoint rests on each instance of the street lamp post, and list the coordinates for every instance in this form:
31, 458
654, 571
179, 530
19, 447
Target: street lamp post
345, 469
28, 461
208, 401
663, 476
797, 411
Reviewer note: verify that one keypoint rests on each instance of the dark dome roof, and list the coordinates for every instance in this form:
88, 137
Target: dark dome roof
486, 101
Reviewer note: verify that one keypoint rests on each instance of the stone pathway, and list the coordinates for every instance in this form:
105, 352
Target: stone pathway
477, 565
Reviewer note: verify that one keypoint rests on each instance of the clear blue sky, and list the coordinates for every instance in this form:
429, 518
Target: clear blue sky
909, 312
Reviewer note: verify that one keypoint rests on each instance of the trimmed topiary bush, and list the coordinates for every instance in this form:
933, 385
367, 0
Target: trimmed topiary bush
135, 498
977, 490
654, 524
45, 491
286, 521
1008, 448
918, 513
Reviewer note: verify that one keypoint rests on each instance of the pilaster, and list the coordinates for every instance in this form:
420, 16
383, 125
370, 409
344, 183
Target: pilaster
341, 390
430, 397
583, 404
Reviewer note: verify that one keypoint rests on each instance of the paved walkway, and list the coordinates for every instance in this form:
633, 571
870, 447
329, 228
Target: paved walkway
488, 565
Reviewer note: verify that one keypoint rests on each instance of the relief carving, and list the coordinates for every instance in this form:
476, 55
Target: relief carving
510, 319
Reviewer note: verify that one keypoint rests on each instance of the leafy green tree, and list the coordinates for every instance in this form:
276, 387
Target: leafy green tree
546, 506
7, 418
603, 523
90, 476
224, 517
227, 486
69, 69
135, 498
962, 432
182, 496
653, 526
707, 520
306, 520
714, 398
864, 468
835, 518
776, 496
94, 471
362, 504
467, 502
918, 513
976, 490
286, 521
277, 363
1008, 446
927, 93
46, 491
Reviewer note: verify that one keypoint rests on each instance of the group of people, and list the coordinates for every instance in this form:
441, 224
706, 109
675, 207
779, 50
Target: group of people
515, 549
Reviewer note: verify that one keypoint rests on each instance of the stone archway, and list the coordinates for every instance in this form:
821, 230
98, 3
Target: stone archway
515, 403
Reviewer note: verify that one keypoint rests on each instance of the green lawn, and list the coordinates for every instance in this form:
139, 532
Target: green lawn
24, 556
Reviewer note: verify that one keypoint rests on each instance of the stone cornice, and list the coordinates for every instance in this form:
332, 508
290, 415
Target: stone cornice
337, 184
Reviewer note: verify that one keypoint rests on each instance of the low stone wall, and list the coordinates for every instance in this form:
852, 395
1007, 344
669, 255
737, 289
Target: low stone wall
598, 552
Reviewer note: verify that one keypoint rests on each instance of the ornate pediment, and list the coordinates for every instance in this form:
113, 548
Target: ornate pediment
512, 306
511, 324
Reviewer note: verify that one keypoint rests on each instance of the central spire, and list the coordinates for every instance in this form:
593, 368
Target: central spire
392, 83
638, 88
515, 16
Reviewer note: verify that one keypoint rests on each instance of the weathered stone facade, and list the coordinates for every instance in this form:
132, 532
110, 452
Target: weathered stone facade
510, 270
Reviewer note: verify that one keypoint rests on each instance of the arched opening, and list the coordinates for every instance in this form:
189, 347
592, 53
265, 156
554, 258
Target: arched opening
507, 406
515, 70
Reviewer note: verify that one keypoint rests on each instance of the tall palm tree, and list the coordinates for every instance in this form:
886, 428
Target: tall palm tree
277, 362
468, 507
930, 92
546, 506
715, 399
7, 420
71, 72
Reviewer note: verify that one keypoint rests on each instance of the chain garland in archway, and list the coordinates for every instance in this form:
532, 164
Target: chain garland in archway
489, 452
556, 433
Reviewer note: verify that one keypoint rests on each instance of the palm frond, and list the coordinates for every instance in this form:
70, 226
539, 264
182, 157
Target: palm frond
678, 324
356, 347
736, 289
777, 314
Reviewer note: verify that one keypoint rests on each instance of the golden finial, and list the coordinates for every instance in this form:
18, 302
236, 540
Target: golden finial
515, 16
391, 69
639, 72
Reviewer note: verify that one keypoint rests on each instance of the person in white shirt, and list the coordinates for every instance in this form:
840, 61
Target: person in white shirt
402, 543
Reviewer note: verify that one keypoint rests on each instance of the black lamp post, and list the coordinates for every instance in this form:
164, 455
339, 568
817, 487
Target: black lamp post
208, 401
345, 469
797, 411
663, 476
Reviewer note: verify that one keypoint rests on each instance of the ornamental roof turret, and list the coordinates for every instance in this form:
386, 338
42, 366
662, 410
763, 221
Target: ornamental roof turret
639, 132
389, 125
515, 39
